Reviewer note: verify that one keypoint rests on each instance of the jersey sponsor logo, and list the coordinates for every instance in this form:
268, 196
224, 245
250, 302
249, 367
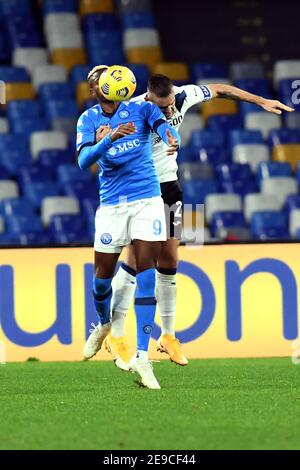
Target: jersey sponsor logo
106, 238
123, 114
120, 148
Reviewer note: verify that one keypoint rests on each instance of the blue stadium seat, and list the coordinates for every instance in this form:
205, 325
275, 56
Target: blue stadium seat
224, 122
247, 108
55, 91
6, 240
142, 74
233, 171
212, 154
89, 207
60, 6
99, 22
273, 169
66, 108
30, 174
4, 51
32, 238
69, 173
51, 159
16, 207
207, 138
284, 136
66, 223
79, 73
15, 159
23, 223
109, 55
185, 156
137, 19
285, 92
239, 186
269, 224
102, 39
226, 219
15, 7
13, 74
38, 190
23, 109
237, 137
28, 125
208, 70
292, 202
9, 141
298, 174
195, 191
297, 237
4, 173
23, 38
80, 189
258, 86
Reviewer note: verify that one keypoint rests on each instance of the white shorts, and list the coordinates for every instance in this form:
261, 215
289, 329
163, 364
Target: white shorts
116, 226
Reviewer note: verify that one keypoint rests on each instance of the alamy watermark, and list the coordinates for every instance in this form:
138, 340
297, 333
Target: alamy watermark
2, 353
2, 93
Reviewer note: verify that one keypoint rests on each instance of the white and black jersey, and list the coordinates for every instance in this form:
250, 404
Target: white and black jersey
185, 97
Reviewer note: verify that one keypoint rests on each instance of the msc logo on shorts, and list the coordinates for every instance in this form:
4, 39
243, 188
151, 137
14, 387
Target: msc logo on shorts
123, 114
147, 329
106, 238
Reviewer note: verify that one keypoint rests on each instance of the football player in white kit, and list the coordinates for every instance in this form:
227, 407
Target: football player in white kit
174, 102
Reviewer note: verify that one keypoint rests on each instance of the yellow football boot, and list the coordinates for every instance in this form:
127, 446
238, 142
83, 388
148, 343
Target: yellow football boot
119, 350
171, 346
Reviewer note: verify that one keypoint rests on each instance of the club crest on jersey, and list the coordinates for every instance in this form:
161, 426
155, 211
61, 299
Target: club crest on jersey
112, 151
106, 238
147, 329
124, 114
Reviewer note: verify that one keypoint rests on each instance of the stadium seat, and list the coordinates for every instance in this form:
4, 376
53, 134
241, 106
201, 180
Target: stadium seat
258, 86
237, 137
11, 7
87, 7
23, 109
13, 74
61, 108
30, 58
51, 140
260, 202
65, 40
134, 5
37, 191
40, 238
239, 186
49, 160
241, 70
223, 122
149, 56
55, 91
224, 220
66, 223
284, 136
289, 153
207, 138
71, 173
246, 108
9, 141
216, 107
4, 126
280, 187
204, 70
221, 203
19, 91
55, 23
191, 122
68, 57
28, 125
288, 93
82, 93
294, 222
137, 19
58, 206
173, 70
99, 22
262, 121
13, 207
210, 154
233, 171
59, 6
195, 191
292, 202
269, 225
24, 223
30, 174
140, 37
49, 74
273, 170
8, 189
189, 171
292, 120
253, 154
81, 189
2, 225
284, 69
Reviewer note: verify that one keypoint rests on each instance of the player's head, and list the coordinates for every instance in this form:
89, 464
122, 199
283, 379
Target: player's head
160, 91
93, 81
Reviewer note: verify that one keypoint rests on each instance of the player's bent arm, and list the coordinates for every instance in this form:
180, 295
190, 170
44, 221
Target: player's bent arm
90, 154
161, 127
220, 90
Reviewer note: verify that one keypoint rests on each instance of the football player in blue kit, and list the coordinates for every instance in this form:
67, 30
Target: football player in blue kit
131, 209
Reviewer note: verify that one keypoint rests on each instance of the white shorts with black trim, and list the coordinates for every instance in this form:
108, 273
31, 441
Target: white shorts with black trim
117, 226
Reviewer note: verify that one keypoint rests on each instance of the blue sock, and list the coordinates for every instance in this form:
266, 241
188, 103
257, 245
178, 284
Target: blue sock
102, 297
145, 306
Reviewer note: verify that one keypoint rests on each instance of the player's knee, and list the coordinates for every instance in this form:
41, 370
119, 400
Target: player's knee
101, 286
168, 260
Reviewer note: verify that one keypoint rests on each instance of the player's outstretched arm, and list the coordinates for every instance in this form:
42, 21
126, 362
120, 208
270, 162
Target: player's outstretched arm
220, 90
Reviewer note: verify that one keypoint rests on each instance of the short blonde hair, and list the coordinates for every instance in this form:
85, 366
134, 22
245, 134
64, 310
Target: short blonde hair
96, 69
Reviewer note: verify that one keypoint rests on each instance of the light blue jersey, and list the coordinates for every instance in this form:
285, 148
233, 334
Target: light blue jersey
126, 166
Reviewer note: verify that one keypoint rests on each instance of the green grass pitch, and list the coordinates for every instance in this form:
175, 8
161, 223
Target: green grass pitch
210, 404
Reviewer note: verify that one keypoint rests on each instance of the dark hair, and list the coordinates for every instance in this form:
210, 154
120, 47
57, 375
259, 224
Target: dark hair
160, 85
